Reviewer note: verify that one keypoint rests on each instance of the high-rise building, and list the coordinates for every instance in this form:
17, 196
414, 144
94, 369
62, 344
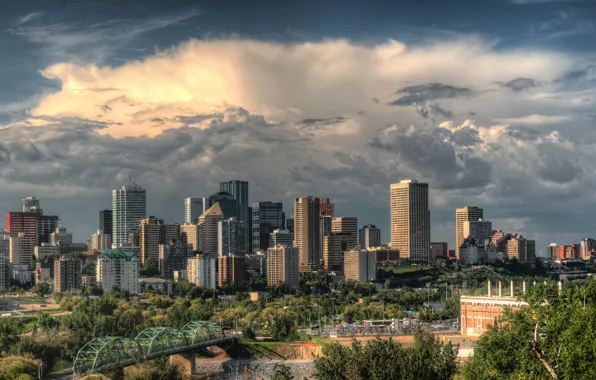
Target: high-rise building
129, 207
552, 251
173, 256
239, 190
106, 222
22, 222
60, 237
279, 236
465, 214
101, 241
4, 270
193, 208
480, 229
334, 246
202, 271
227, 203
290, 225
370, 236
46, 225
360, 265
118, 268
230, 270
4, 242
410, 220
154, 232
31, 204
21, 248
523, 250
325, 228
67, 273
231, 237
282, 265
208, 230
438, 249
266, 217
307, 232
326, 207
346, 225
587, 249
192, 234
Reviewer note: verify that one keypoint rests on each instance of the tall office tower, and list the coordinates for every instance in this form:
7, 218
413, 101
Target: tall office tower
370, 236
31, 204
552, 251
202, 270
281, 237
101, 241
22, 222
346, 225
227, 203
479, 229
230, 270
173, 256
282, 266
410, 219
326, 207
360, 265
325, 228
464, 214
523, 250
231, 235
60, 236
105, 222
67, 273
239, 190
21, 248
266, 217
119, 268
150, 237
193, 208
334, 246
307, 232
192, 235
129, 206
208, 230
290, 225
46, 225
4, 270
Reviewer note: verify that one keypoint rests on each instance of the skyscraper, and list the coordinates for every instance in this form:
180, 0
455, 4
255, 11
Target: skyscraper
281, 237
334, 246
173, 256
360, 265
239, 190
31, 204
326, 207
129, 207
410, 219
154, 232
479, 229
307, 232
227, 204
462, 215
21, 248
325, 228
208, 230
192, 235
370, 236
230, 270
105, 222
193, 208
266, 217
231, 238
22, 222
282, 266
346, 225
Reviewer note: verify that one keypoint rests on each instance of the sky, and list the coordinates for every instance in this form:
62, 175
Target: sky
492, 103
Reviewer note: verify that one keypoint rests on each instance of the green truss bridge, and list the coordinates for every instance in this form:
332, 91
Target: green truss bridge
101, 354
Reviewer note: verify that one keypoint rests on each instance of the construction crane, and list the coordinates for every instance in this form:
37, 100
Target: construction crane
248, 371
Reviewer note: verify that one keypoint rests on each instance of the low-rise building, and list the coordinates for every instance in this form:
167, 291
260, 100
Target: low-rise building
147, 285
21, 273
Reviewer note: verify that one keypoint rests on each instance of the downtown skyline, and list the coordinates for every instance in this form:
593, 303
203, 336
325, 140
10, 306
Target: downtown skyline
492, 106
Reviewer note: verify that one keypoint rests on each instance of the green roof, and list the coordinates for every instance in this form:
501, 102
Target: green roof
116, 253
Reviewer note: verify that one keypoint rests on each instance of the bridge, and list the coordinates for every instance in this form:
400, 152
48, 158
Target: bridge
101, 354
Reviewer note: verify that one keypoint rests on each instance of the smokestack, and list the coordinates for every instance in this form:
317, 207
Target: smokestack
524, 288
490, 289
512, 290
500, 288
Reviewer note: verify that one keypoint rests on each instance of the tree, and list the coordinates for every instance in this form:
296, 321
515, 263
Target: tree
387, 360
42, 289
282, 372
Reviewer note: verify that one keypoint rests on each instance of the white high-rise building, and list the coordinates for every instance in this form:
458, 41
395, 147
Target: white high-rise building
116, 267
129, 207
202, 271
194, 207
410, 220
231, 238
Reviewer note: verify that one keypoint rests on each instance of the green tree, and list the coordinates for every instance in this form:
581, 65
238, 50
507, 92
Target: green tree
42, 289
282, 372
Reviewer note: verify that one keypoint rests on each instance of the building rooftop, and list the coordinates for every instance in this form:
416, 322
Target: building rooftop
116, 253
153, 280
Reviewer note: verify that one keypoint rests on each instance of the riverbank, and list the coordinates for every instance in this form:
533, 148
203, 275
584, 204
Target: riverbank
229, 369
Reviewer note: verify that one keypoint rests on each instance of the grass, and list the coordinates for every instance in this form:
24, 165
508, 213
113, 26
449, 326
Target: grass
410, 269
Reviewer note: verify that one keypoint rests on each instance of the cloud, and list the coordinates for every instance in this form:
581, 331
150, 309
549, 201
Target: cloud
418, 94
535, 120
28, 17
520, 84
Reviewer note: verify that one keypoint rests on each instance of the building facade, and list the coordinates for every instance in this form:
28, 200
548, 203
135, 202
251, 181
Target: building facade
410, 219
278, 237
67, 273
231, 237
194, 207
153, 232
101, 241
334, 246
523, 250
282, 266
462, 215
208, 230
21, 248
230, 270
105, 222
266, 217
4, 270
360, 265
31, 204
307, 232
326, 207
370, 236
118, 268
191, 231
173, 256
480, 229
202, 271
438, 250
22, 222
129, 207
347, 225
60, 236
